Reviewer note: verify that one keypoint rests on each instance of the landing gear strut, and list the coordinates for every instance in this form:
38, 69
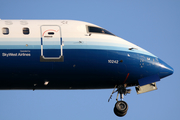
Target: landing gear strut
121, 107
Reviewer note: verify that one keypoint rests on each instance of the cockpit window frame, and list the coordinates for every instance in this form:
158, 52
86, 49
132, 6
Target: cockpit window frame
106, 32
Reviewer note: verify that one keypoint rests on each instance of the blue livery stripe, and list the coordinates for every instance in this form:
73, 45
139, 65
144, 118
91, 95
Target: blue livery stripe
95, 47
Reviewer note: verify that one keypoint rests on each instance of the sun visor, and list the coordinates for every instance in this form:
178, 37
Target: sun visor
148, 80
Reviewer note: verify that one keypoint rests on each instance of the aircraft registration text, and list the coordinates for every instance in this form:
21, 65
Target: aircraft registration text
113, 61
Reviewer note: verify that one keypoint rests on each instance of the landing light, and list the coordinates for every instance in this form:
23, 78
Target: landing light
46, 82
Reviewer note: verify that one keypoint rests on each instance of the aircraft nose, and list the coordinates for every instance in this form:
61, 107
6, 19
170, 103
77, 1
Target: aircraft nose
165, 69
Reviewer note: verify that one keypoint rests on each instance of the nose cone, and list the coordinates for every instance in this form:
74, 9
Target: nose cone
165, 69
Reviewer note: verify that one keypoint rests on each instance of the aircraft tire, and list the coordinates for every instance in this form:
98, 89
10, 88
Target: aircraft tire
120, 108
119, 114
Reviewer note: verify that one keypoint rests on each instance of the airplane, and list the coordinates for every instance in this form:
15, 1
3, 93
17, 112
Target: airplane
71, 54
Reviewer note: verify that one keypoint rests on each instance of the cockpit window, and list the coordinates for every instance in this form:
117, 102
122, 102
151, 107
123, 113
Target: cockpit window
98, 30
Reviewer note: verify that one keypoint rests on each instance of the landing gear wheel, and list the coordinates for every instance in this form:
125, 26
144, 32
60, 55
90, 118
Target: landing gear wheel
118, 113
120, 108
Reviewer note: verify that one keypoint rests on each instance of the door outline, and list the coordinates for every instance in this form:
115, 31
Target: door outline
51, 59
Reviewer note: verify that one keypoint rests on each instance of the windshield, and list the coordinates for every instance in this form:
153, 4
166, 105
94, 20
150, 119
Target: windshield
98, 30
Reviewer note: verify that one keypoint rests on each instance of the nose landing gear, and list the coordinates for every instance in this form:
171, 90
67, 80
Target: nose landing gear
121, 107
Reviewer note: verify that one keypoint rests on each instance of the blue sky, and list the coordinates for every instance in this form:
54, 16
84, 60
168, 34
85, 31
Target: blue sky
153, 25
